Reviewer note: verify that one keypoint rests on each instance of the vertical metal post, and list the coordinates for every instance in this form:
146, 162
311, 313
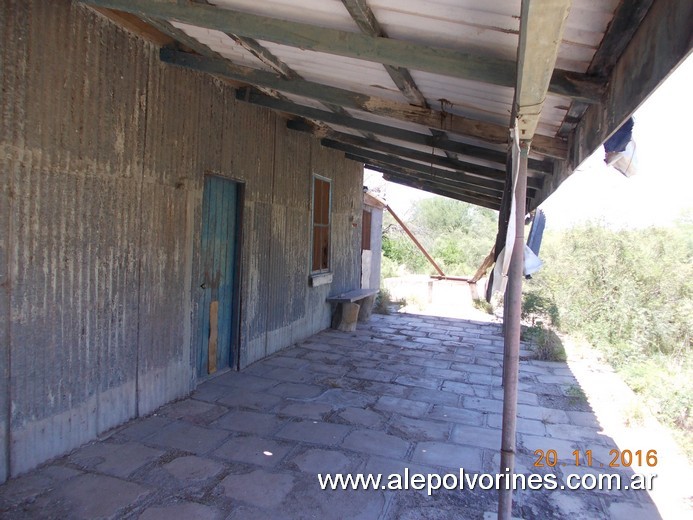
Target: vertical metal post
511, 323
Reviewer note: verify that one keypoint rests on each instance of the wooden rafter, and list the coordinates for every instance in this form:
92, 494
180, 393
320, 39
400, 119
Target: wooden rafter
627, 18
442, 191
265, 56
396, 164
397, 53
268, 58
534, 182
541, 32
443, 180
481, 130
662, 42
400, 151
447, 186
443, 142
362, 14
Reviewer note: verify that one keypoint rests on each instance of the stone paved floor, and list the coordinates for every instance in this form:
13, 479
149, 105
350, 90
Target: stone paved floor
402, 391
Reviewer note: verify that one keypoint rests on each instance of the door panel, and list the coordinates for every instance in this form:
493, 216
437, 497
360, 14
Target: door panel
217, 332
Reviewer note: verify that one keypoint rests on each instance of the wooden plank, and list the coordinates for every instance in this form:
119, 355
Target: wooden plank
431, 118
443, 142
362, 14
440, 191
137, 26
396, 164
663, 41
181, 37
427, 176
490, 132
398, 53
264, 55
213, 336
268, 58
536, 182
485, 265
417, 155
379, 160
541, 31
627, 18
472, 195
352, 296
356, 145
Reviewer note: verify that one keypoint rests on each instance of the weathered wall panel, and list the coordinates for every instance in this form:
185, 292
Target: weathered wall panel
11, 58
104, 152
74, 149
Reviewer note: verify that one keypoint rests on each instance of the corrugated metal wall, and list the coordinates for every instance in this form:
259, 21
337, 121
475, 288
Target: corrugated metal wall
102, 156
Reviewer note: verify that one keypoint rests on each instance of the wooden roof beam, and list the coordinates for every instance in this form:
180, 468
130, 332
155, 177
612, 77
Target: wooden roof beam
471, 188
533, 182
662, 42
362, 14
495, 201
397, 53
396, 164
492, 158
541, 31
443, 191
484, 131
365, 152
408, 153
423, 171
627, 18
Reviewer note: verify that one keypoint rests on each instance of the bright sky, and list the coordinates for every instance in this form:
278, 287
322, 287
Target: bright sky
658, 194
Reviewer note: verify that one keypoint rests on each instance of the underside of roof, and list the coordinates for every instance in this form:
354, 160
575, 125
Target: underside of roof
427, 91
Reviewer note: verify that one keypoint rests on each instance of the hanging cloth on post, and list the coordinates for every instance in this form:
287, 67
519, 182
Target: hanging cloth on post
619, 150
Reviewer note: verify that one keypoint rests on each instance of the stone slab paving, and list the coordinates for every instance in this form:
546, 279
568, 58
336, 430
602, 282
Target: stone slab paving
401, 393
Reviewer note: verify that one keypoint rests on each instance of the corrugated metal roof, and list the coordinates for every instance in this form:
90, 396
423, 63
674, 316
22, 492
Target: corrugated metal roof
219, 42
489, 27
338, 71
324, 13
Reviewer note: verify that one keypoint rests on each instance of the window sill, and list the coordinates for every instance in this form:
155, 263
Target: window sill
318, 279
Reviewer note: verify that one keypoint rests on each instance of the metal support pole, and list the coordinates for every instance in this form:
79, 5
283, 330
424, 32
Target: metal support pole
511, 322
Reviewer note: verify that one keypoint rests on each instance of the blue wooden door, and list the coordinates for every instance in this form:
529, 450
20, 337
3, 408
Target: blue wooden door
217, 330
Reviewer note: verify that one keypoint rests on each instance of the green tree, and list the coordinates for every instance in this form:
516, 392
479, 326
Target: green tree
456, 234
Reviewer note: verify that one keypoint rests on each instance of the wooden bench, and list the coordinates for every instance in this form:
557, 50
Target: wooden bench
352, 306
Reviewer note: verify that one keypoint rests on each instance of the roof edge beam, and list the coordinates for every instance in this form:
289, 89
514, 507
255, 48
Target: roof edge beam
541, 31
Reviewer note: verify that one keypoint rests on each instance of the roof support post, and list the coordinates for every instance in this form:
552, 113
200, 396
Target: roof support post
511, 321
